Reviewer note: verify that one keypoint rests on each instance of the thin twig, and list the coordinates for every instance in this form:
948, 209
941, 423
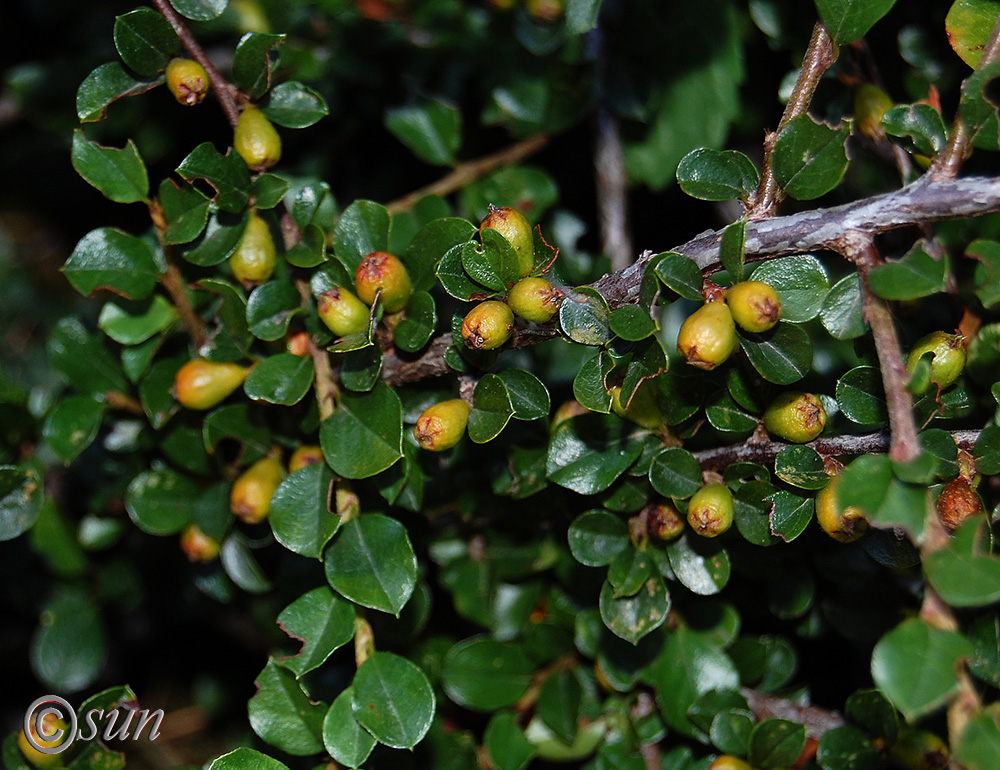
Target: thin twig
816, 720
219, 84
118, 400
612, 191
819, 57
948, 163
469, 171
173, 281
327, 391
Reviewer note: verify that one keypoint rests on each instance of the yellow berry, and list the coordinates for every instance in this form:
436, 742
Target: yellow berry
755, 305
50, 725
187, 81
711, 510
250, 497
919, 750
198, 546
342, 312
534, 299
515, 227
256, 140
729, 762
842, 524
381, 270
488, 325
643, 409
254, 259
795, 416
708, 336
441, 426
947, 356
201, 384
663, 521
305, 456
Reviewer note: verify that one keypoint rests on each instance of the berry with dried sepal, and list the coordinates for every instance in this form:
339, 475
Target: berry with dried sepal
644, 410
842, 524
516, 228
708, 336
534, 299
201, 384
187, 81
442, 425
250, 497
728, 762
52, 735
795, 416
305, 456
256, 140
488, 325
342, 312
947, 356
957, 503
755, 305
663, 521
381, 270
711, 510
198, 546
919, 750
254, 259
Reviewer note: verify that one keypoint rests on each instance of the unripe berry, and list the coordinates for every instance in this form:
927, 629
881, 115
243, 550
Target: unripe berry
201, 384
51, 724
342, 312
198, 546
187, 81
441, 426
870, 105
305, 456
948, 356
663, 521
254, 259
708, 336
919, 750
729, 762
644, 410
795, 416
256, 140
711, 510
546, 11
957, 503
488, 325
844, 525
755, 305
250, 497
534, 299
515, 227
381, 270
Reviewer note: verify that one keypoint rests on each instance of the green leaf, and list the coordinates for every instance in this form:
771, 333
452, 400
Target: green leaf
843, 312
969, 24
528, 395
365, 434
451, 273
505, 743
69, 648
632, 323
790, 515
801, 283
230, 340
310, 250
801, 467
145, 41
21, 496
361, 368
559, 704
920, 123
227, 174
430, 128
322, 621
584, 317
484, 674
869, 484
717, 175
776, 743
732, 248
246, 759
294, 105
185, 209
589, 384
281, 379
128, 329
241, 567
809, 158
596, 537
361, 229
633, 617
269, 190
850, 20
782, 355
270, 310
961, 573
587, 453
156, 391
861, 396
200, 10
581, 16
303, 511
979, 744
491, 409
347, 741
915, 666
987, 275
107, 258
161, 502
283, 715
916, 275
680, 274
371, 562
234, 422
430, 244
675, 473
120, 175
252, 62
83, 359
873, 711
72, 425
106, 84
629, 571
701, 566
417, 328
494, 263
987, 450
392, 699
977, 108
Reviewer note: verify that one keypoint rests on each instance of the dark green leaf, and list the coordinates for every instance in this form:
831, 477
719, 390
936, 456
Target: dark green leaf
846, 748
843, 312
21, 498
589, 384
505, 743
430, 128
596, 537
633, 617
869, 484
732, 248
303, 511
128, 329
281, 379
801, 467
417, 328
283, 715
235, 422
809, 158
453, 277
241, 567
361, 368
72, 425
977, 107
365, 434
584, 317
227, 174
185, 209
494, 263
269, 190
528, 395
979, 744
69, 648
231, 338
347, 741
701, 566
294, 105
429, 245
717, 175
145, 41
920, 123
361, 229
680, 274
725, 415
776, 743
782, 355
559, 704
161, 502
916, 275
484, 674
491, 409
790, 515
200, 10
252, 63
120, 175
987, 271
156, 391
872, 710
861, 396
310, 250
632, 322
587, 453
850, 20
675, 473
246, 759
270, 310
961, 574
111, 259
106, 84
322, 621
801, 283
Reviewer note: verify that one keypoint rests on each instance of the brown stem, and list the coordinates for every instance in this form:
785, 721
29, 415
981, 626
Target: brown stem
220, 85
816, 720
819, 57
948, 163
327, 391
364, 638
118, 400
173, 282
470, 171
612, 191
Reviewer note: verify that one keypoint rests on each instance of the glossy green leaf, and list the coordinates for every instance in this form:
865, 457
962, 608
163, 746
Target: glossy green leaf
200, 10
596, 537
528, 395
303, 511
680, 274
283, 715
977, 108
589, 384
969, 24
145, 41
559, 704
491, 409
809, 158
861, 396
156, 391
843, 311
69, 648
872, 710
417, 328
453, 277
430, 128
732, 248
120, 175
782, 355
347, 741
801, 283
106, 84
242, 567
361, 368
294, 105
21, 496
869, 484
252, 62
776, 743
987, 450
675, 473
270, 310
916, 275
717, 175
633, 617
484, 674
72, 425
361, 229
915, 666
493, 263
701, 566
978, 746
371, 562
269, 190
850, 20
726, 415
365, 434
962, 573
730, 731
227, 174
281, 379
629, 571
632, 322
987, 275
161, 502
920, 123
129, 329
801, 467
790, 514
429, 245
587, 453
185, 209
505, 743
246, 759
236, 422
230, 340
322, 621
584, 317
107, 258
